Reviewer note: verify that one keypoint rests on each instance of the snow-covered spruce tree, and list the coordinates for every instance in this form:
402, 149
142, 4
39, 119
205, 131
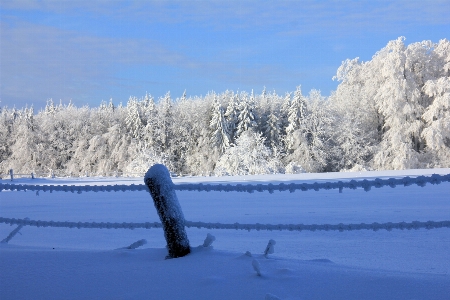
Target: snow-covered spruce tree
296, 118
165, 118
133, 118
25, 149
249, 156
6, 138
50, 107
147, 108
261, 111
231, 115
309, 144
220, 138
181, 133
246, 118
150, 132
272, 129
201, 157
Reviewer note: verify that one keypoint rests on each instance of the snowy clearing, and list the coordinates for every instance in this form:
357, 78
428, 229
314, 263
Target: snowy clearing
56, 263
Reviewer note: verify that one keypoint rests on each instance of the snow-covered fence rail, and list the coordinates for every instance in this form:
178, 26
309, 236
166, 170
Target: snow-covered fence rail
63, 174
367, 185
237, 226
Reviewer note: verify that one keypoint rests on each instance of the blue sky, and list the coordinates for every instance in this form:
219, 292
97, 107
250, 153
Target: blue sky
90, 51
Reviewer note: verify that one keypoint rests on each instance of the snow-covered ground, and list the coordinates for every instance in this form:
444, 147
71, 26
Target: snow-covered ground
64, 263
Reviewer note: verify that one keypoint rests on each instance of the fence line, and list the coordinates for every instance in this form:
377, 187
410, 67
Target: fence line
367, 185
237, 226
62, 174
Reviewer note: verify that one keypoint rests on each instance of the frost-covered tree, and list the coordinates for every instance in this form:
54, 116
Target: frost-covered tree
201, 157
50, 108
388, 93
220, 133
231, 115
309, 143
250, 155
6, 137
391, 112
273, 130
24, 154
358, 124
296, 118
181, 133
437, 116
134, 119
246, 118
144, 160
165, 120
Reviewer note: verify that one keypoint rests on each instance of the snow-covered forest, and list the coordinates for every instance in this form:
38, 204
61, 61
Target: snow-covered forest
392, 112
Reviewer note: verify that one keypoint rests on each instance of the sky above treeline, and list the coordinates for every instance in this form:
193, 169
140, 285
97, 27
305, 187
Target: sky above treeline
89, 51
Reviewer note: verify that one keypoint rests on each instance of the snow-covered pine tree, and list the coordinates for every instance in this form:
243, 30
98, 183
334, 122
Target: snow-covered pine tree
262, 110
308, 144
133, 119
165, 118
220, 133
296, 118
272, 130
231, 115
246, 118
50, 107
201, 157
111, 105
284, 113
7, 138
25, 147
181, 132
318, 129
248, 156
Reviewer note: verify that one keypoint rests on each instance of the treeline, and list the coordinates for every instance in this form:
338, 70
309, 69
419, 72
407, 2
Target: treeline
392, 112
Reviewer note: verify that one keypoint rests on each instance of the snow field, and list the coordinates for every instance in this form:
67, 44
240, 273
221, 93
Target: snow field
362, 264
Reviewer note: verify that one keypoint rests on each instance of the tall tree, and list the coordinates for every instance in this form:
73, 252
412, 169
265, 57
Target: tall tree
296, 117
246, 118
220, 133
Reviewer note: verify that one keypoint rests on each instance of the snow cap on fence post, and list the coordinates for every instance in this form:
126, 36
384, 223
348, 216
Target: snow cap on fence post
169, 210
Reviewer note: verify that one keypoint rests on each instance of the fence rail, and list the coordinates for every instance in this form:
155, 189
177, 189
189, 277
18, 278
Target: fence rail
365, 184
58, 174
237, 226
250, 188
61, 174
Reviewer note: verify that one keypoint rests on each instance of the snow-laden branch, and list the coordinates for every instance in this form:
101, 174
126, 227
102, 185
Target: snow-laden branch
367, 185
237, 226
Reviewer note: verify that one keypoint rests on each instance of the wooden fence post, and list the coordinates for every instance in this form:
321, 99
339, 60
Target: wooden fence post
169, 210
